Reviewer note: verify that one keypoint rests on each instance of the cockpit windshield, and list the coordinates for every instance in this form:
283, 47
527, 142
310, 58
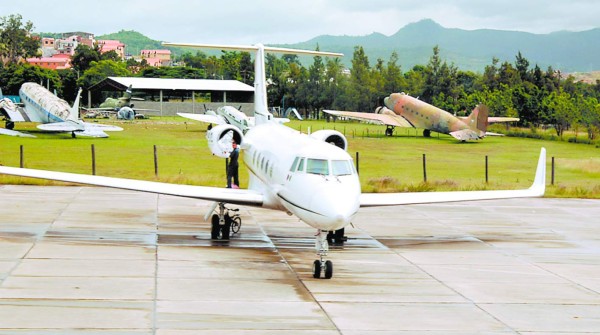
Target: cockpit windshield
322, 166
342, 167
317, 166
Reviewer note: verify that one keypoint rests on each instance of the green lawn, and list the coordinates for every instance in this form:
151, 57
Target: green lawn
386, 163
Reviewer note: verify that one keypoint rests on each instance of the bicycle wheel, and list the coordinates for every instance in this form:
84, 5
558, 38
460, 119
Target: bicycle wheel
236, 224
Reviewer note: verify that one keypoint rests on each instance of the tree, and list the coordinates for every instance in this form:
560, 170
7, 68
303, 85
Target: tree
100, 70
13, 75
395, 82
16, 41
83, 57
361, 87
561, 110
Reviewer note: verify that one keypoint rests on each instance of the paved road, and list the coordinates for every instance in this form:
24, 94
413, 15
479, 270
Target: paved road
84, 260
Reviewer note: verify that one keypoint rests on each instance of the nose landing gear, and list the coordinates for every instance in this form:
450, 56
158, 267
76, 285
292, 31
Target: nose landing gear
320, 265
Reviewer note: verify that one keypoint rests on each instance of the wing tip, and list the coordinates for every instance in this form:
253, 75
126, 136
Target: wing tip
539, 182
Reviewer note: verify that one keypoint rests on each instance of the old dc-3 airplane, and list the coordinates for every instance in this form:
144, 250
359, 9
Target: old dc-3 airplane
309, 176
402, 110
54, 114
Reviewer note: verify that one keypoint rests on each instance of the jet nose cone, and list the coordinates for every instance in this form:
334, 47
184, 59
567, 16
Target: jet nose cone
336, 205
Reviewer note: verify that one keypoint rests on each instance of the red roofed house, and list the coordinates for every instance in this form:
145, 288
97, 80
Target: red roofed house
56, 62
109, 45
157, 58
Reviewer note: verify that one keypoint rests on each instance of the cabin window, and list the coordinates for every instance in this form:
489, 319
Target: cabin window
342, 168
301, 165
294, 164
317, 166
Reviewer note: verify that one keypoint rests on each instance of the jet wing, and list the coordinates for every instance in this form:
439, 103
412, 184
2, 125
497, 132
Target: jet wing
232, 196
385, 119
389, 199
203, 118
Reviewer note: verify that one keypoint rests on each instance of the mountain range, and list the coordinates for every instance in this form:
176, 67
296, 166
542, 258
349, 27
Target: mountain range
467, 49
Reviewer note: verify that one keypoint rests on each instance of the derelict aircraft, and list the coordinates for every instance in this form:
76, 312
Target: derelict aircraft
402, 110
227, 115
54, 114
310, 176
121, 106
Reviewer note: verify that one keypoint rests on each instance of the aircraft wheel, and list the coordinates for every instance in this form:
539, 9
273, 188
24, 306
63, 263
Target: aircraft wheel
316, 269
10, 125
73, 134
328, 269
226, 228
389, 132
426, 133
215, 230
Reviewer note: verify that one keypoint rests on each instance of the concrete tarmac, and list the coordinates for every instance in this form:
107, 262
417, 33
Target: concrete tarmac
88, 260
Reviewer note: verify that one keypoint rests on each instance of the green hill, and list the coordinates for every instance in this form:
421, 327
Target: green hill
135, 42
467, 49
471, 49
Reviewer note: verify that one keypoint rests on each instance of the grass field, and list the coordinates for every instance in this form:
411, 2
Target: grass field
386, 164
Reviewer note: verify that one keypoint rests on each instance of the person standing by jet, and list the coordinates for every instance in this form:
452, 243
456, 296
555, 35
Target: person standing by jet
232, 168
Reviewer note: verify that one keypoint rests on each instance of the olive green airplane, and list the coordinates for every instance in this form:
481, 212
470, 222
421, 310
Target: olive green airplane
402, 110
122, 107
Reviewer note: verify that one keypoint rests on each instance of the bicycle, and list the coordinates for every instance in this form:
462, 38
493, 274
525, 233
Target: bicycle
235, 219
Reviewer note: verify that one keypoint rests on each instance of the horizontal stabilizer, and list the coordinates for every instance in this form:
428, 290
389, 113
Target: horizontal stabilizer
467, 134
208, 118
9, 132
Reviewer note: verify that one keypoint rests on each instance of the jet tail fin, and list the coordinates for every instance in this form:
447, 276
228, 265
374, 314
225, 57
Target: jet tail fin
74, 114
478, 120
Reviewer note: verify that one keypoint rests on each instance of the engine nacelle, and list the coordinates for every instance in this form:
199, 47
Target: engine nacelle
331, 136
220, 138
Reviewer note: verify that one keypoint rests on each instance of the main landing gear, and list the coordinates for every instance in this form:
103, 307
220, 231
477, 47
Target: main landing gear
426, 133
9, 125
389, 131
224, 224
320, 265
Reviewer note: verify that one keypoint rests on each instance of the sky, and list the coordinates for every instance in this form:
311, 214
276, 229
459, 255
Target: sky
284, 21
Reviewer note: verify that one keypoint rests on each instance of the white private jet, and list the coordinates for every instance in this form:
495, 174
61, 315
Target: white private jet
54, 114
310, 176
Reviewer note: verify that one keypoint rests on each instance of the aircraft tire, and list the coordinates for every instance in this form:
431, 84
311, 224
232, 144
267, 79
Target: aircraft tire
316, 269
215, 227
226, 228
389, 132
10, 125
73, 134
328, 269
426, 133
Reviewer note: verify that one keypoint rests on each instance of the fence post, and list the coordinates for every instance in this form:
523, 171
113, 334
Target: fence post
155, 162
93, 160
21, 160
552, 183
486, 169
424, 168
